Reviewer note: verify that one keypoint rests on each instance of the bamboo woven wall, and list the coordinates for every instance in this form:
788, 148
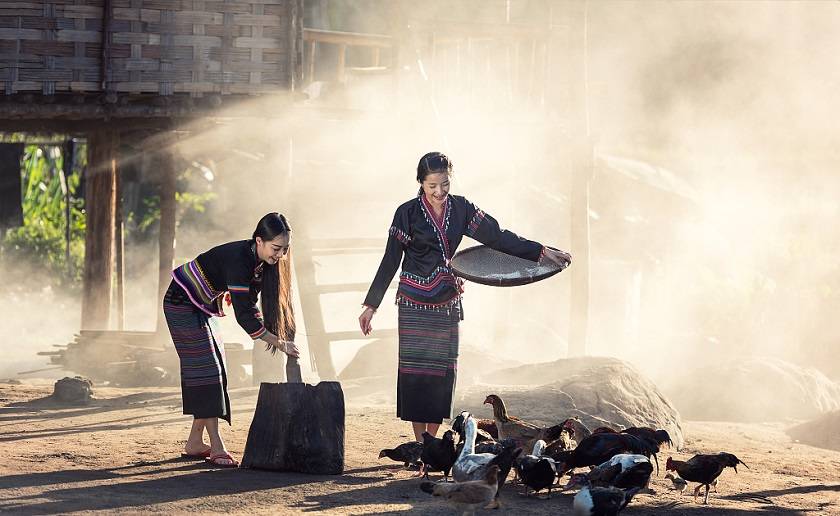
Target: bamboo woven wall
160, 47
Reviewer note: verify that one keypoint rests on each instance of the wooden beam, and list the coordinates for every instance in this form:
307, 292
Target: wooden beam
100, 204
166, 237
348, 38
64, 107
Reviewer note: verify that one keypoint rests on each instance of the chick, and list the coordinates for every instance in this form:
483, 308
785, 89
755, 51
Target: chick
679, 483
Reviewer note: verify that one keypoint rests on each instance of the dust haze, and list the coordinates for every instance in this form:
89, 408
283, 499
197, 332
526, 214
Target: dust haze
728, 250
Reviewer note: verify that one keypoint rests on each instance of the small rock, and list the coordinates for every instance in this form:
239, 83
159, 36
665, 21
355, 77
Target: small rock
77, 390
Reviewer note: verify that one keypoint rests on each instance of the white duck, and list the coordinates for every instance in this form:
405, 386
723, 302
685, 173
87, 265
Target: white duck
470, 465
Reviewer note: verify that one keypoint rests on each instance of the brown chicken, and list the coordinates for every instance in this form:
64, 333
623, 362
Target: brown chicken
467, 496
703, 469
489, 426
525, 434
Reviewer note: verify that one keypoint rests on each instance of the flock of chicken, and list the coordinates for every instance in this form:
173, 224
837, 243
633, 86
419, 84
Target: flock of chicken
487, 450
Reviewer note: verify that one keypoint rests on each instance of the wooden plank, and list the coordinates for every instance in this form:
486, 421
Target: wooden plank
135, 38
142, 15
261, 20
137, 64
84, 86
198, 17
22, 34
247, 42
191, 41
80, 12
82, 36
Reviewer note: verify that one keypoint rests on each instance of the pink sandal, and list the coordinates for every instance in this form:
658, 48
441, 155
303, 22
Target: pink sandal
223, 460
202, 455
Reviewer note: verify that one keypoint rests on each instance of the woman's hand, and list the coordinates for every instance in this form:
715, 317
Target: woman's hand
364, 320
286, 346
556, 257
289, 348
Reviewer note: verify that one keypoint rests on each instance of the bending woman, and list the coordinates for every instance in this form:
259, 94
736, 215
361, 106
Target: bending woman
243, 269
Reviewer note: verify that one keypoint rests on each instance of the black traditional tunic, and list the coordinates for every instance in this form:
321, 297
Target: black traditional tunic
429, 296
196, 294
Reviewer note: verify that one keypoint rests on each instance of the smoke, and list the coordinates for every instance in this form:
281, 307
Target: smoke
735, 100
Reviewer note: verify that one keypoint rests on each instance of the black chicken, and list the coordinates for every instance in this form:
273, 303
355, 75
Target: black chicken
493, 447
624, 471
601, 447
703, 469
438, 454
407, 453
535, 471
505, 460
660, 437
601, 501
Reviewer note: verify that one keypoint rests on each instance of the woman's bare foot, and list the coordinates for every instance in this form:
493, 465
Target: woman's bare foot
198, 449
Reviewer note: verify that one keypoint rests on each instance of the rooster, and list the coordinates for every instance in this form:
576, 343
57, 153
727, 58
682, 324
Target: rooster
704, 469
524, 433
599, 448
467, 496
576, 428
660, 437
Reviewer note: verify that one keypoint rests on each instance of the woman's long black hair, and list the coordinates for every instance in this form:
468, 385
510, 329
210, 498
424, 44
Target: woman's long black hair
432, 163
276, 297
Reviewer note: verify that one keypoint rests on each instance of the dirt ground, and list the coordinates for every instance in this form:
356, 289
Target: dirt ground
122, 454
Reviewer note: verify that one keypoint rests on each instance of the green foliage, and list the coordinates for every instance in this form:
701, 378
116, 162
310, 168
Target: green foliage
40, 244
146, 220
41, 240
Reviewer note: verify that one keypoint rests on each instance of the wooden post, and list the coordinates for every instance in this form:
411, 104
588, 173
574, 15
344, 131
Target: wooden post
119, 248
342, 59
313, 45
566, 64
582, 169
11, 210
68, 161
166, 236
100, 204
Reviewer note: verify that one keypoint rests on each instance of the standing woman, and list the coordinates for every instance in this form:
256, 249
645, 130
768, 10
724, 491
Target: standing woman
423, 237
243, 269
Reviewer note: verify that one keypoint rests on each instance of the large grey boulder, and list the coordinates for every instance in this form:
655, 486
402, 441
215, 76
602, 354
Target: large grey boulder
752, 389
599, 390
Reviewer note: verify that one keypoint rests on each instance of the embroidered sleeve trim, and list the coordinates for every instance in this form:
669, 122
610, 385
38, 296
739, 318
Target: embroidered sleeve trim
472, 227
400, 235
259, 333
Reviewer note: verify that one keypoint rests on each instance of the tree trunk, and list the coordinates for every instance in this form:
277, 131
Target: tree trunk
100, 205
11, 211
166, 236
297, 427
